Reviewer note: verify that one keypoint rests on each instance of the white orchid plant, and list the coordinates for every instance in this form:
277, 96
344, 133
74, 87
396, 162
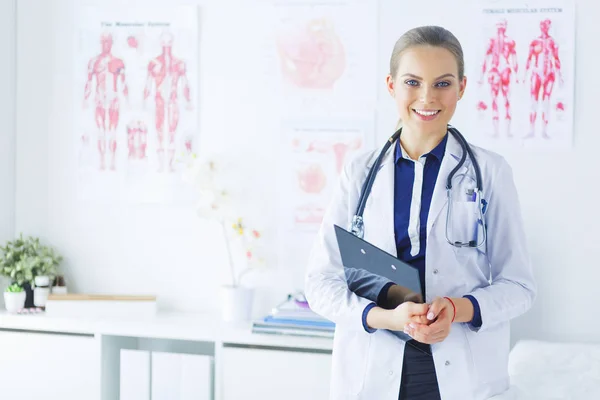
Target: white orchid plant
210, 177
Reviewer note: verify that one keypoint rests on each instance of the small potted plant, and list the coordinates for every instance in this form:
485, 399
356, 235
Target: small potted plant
23, 260
14, 298
236, 297
59, 285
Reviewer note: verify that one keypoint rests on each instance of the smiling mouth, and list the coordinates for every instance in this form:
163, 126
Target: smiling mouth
426, 113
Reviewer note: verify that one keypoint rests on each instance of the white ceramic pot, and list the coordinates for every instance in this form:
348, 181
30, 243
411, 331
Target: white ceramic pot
14, 301
59, 290
40, 296
42, 280
236, 303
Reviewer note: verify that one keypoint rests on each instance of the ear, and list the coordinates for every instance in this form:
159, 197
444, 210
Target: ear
462, 87
389, 83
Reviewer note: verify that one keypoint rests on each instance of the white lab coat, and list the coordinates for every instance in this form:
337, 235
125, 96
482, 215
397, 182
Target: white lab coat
470, 363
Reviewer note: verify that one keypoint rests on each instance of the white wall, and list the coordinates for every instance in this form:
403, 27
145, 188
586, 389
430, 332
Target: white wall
7, 118
559, 193
7, 121
166, 251
161, 250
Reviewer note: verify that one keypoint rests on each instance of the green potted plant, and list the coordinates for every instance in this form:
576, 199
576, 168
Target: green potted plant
14, 298
25, 260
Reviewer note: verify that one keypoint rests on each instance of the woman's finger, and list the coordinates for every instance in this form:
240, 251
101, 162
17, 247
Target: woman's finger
425, 334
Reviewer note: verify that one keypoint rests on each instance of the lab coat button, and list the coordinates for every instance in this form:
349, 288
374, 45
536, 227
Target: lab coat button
447, 363
435, 271
391, 372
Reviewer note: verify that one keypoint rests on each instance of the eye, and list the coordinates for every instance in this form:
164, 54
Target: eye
411, 82
443, 84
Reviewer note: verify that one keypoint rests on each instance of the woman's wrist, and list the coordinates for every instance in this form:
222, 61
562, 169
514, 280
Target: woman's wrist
377, 318
464, 309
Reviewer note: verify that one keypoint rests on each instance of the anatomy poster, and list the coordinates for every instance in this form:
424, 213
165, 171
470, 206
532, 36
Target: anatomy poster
325, 53
314, 154
136, 114
524, 66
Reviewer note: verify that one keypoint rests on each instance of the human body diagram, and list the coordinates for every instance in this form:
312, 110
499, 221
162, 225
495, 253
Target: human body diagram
501, 66
126, 131
544, 63
166, 74
108, 72
502, 56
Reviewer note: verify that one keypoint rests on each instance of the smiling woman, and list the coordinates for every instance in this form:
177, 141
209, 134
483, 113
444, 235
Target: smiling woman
426, 80
425, 178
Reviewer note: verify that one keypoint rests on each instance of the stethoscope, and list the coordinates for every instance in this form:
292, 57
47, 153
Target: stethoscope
357, 224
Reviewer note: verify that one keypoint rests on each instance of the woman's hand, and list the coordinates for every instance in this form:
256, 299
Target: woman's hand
397, 318
407, 312
440, 316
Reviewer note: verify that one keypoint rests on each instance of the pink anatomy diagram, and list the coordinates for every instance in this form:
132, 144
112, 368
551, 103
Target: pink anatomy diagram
312, 178
502, 57
137, 134
109, 72
166, 73
318, 163
309, 214
340, 149
312, 56
544, 63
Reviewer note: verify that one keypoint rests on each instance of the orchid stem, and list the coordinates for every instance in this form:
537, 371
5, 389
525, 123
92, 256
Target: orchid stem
228, 253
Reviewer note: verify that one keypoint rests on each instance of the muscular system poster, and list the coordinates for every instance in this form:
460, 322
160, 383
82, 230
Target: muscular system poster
523, 74
135, 90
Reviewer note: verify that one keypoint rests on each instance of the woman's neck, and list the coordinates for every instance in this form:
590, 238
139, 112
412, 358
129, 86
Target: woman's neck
418, 143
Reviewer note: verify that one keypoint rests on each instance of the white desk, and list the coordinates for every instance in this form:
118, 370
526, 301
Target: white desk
102, 359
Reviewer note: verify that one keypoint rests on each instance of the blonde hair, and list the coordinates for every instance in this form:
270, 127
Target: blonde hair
427, 36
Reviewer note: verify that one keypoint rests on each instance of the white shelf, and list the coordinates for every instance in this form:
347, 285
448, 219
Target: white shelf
174, 326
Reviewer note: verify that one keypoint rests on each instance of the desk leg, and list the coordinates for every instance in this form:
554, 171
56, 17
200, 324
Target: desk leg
111, 364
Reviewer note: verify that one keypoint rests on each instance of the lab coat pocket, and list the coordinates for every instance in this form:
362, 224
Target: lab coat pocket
463, 227
353, 366
490, 350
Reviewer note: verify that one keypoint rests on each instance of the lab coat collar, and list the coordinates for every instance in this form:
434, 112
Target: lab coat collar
383, 191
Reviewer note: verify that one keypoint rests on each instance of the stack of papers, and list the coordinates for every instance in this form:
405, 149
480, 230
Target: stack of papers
294, 317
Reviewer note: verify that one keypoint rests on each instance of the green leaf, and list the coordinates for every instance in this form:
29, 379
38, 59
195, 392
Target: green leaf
25, 258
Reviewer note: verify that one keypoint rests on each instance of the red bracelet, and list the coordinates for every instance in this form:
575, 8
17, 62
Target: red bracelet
453, 306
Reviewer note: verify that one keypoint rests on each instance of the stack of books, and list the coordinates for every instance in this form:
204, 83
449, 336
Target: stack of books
294, 317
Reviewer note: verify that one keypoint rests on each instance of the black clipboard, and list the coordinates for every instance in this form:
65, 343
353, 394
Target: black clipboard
367, 267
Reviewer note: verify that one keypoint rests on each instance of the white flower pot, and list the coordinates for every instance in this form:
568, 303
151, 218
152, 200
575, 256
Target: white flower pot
59, 290
41, 290
14, 301
40, 296
42, 280
236, 303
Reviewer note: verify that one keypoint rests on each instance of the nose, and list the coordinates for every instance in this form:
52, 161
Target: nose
426, 95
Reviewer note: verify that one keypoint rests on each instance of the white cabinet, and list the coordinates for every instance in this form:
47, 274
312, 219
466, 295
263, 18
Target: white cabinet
134, 375
49, 366
181, 377
256, 373
166, 358
167, 376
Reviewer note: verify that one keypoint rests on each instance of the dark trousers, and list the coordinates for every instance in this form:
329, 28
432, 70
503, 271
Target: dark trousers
419, 381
